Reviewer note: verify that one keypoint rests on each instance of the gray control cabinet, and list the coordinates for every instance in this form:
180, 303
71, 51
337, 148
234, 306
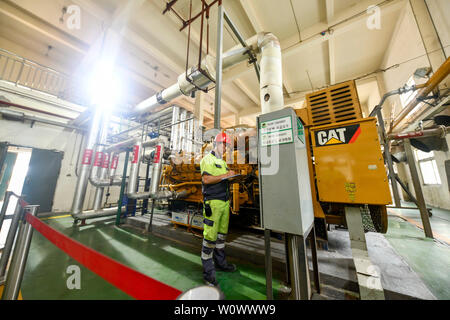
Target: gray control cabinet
284, 182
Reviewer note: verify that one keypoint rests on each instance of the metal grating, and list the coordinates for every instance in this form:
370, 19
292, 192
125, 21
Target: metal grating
334, 104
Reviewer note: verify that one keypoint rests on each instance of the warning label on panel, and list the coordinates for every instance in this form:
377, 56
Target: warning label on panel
276, 125
280, 137
276, 131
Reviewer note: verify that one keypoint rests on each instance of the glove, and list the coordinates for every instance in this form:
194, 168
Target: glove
208, 211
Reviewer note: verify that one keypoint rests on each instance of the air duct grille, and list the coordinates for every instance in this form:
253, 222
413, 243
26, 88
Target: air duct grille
334, 104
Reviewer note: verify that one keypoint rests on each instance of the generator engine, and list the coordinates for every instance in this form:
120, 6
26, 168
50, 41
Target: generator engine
183, 172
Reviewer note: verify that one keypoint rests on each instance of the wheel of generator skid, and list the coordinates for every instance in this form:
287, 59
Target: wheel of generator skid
378, 213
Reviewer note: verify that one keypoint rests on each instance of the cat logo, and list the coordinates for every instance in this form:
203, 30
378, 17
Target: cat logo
344, 135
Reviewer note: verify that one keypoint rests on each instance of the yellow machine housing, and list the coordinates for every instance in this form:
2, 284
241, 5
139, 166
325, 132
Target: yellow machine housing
346, 164
349, 165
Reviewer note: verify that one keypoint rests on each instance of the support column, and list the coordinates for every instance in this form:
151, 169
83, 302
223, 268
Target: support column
368, 276
388, 160
219, 53
268, 264
418, 189
300, 282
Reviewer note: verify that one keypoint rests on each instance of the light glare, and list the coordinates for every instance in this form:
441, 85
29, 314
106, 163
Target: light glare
104, 85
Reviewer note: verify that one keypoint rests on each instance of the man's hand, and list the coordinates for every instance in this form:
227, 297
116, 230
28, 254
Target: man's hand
207, 179
231, 173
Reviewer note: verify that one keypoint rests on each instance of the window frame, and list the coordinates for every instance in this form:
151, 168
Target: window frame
433, 162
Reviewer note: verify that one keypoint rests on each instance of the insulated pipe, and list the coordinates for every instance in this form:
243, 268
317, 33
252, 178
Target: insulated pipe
271, 75
134, 169
20, 116
82, 182
120, 146
154, 116
90, 214
271, 85
102, 163
440, 131
185, 87
154, 192
157, 168
114, 163
439, 76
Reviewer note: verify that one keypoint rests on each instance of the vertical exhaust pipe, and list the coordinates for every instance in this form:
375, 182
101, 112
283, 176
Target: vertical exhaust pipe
86, 163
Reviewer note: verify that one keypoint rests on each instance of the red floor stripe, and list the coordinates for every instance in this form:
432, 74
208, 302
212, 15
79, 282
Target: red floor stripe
130, 281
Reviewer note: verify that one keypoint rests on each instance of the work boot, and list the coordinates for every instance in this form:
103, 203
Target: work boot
211, 282
228, 267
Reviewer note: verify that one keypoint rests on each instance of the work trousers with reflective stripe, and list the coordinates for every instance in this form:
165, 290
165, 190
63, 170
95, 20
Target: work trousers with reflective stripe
214, 236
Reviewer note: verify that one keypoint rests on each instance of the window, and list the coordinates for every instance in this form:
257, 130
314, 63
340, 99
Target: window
428, 167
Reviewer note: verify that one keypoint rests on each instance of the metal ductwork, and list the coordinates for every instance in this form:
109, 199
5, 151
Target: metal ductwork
271, 84
271, 75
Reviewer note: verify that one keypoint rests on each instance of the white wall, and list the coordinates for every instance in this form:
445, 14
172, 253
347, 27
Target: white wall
440, 12
54, 138
406, 49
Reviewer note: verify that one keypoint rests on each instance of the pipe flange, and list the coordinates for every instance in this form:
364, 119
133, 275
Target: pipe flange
443, 131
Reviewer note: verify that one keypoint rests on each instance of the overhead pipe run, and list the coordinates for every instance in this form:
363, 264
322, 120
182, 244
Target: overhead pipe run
439, 76
440, 132
271, 75
20, 116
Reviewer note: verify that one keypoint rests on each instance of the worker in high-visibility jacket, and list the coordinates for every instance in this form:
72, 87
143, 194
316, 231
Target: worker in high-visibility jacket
216, 209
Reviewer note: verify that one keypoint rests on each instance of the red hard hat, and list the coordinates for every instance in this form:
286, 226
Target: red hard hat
223, 137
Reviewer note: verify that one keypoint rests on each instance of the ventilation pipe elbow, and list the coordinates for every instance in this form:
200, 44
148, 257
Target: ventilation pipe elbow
185, 82
271, 84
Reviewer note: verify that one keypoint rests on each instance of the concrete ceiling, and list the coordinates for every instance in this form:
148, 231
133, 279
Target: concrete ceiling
152, 51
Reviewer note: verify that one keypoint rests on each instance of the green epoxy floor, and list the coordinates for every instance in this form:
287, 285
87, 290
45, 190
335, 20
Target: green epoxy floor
429, 258
180, 266
171, 263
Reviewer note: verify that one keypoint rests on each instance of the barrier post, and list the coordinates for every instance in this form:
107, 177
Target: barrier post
8, 195
122, 188
20, 255
10, 239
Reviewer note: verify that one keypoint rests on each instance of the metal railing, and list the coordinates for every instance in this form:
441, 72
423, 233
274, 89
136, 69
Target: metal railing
17, 245
27, 73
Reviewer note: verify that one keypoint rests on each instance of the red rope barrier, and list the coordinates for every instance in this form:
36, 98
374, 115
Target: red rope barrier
130, 281
22, 203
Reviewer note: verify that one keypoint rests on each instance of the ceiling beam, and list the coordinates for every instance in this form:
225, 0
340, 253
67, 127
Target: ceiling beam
249, 112
249, 93
258, 27
252, 16
39, 26
342, 21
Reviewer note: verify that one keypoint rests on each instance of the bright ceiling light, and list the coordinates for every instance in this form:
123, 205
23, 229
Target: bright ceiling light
104, 85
